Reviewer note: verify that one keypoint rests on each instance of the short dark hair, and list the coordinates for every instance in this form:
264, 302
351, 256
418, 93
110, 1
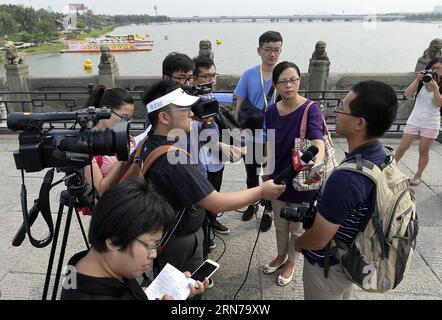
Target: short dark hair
377, 103
156, 91
280, 67
269, 36
202, 62
176, 61
112, 98
126, 211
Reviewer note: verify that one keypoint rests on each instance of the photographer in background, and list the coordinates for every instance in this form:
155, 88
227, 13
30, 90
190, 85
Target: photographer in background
425, 118
183, 185
106, 169
343, 207
124, 240
205, 73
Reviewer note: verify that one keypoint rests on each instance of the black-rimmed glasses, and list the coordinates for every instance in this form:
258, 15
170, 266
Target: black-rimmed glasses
124, 117
292, 81
340, 107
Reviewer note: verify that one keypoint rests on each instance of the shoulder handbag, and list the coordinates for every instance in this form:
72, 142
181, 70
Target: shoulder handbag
330, 162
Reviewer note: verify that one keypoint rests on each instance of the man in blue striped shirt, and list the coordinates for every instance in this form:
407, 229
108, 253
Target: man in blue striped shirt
343, 209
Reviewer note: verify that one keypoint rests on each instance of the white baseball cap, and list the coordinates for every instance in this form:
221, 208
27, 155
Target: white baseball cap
177, 97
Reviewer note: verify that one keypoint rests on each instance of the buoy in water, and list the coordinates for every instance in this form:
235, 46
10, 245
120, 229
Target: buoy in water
218, 41
87, 64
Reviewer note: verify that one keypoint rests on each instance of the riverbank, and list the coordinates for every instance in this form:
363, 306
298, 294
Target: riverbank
97, 32
56, 47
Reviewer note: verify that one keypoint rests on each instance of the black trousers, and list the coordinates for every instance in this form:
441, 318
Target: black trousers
253, 167
216, 179
252, 173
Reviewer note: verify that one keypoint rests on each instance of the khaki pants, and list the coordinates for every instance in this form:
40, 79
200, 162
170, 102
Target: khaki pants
335, 287
286, 231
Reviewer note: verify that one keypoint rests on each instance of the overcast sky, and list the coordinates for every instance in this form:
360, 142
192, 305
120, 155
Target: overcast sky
183, 8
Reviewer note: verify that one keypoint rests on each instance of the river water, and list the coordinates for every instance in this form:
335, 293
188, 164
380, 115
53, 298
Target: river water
351, 47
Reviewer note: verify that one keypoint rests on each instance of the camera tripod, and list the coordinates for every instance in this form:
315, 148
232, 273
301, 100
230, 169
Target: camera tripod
77, 195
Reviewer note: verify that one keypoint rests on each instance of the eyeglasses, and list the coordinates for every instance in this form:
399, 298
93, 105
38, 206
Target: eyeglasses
340, 107
184, 80
150, 247
208, 77
124, 117
292, 81
271, 50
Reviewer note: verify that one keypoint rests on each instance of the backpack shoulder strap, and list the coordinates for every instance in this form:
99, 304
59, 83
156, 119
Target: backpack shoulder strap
365, 167
136, 154
156, 154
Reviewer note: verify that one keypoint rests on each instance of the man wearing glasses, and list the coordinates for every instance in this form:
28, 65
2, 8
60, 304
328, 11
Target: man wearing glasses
254, 86
343, 209
178, 67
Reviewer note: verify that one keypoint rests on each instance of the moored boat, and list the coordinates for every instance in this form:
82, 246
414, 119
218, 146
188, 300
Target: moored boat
126, 42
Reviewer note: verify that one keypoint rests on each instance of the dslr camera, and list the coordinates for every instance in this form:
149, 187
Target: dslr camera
49, 147
207, 106
305, 214
429, 74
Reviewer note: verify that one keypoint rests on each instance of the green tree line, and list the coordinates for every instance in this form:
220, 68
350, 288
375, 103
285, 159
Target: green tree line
21, 23
140, 19
24, 23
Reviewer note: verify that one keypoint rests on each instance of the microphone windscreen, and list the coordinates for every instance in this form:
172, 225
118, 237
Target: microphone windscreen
308, 155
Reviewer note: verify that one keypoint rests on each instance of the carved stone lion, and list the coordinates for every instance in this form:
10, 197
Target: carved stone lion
205, 49
433, 51
106, 55
320, 53
12, 55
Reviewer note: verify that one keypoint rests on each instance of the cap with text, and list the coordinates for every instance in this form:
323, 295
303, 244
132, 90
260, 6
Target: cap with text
177, 97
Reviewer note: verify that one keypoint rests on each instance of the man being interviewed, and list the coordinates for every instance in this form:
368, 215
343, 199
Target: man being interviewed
343, 208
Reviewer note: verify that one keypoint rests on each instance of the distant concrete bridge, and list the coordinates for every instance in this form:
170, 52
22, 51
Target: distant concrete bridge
292, 18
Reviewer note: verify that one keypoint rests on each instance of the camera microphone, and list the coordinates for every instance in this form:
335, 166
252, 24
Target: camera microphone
300, 161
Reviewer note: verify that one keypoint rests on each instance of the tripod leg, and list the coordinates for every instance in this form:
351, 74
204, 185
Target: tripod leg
82, 228
62, 252
52, 254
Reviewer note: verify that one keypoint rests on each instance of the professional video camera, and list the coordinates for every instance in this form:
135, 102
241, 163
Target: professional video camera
63, 148
207, 106
429, 74
69, 151
305, 214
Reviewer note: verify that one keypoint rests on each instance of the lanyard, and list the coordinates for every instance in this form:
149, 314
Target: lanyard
263, 88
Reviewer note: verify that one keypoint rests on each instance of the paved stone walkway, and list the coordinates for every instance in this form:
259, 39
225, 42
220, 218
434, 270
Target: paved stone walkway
23, 269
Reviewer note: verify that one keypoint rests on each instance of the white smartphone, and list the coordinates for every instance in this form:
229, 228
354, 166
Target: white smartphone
315, 170
207, 269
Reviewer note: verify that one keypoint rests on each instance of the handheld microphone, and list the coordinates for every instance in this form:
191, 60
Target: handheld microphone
300, 161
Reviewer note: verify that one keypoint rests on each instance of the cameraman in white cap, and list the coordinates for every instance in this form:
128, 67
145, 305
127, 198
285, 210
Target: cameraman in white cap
182, 184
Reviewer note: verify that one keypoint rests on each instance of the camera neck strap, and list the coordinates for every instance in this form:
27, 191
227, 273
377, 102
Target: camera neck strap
40, 205
271, 91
